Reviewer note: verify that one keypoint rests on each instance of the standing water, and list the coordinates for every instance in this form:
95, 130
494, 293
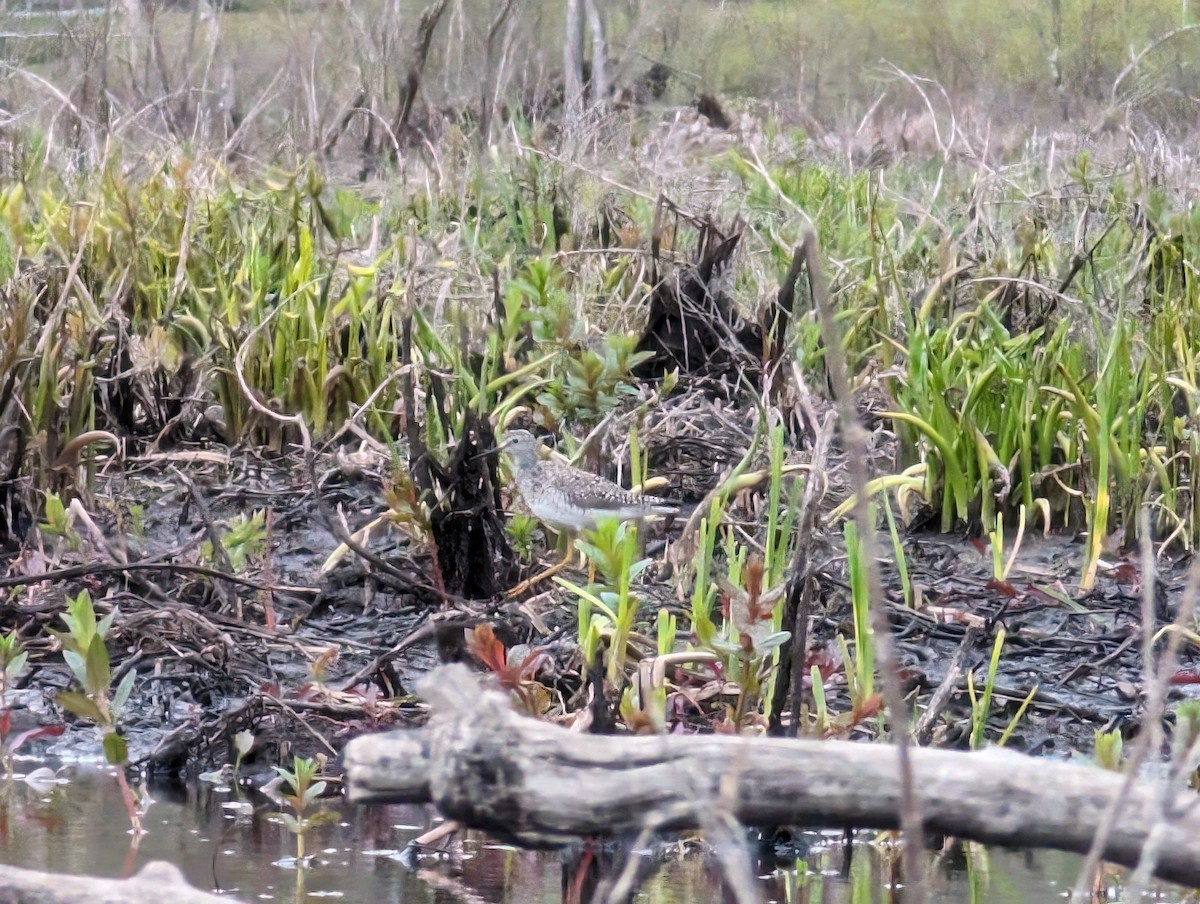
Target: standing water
231, 843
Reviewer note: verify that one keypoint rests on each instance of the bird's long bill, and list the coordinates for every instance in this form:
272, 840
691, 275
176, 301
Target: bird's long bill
499, 448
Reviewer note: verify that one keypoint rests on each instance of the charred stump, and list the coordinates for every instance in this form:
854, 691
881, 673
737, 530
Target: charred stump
694, 326
465, 521
710, 108
16, 512
467, 526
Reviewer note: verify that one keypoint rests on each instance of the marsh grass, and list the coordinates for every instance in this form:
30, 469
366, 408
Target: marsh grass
1023, 329
1037, 357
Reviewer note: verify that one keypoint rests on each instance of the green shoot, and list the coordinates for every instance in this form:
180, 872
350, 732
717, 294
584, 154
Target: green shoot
981, 707
243, 541
1017, 716
864, 644
1110, 750
898, 551
302, 799
94, 701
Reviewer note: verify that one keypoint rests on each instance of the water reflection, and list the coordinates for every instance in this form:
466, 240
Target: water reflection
226, 843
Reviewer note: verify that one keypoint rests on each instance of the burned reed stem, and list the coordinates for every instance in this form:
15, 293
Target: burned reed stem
790, 682
854, 437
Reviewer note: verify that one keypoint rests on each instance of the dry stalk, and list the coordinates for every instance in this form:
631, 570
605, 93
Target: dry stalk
790, 682
946, 144
923, 730
855, 439
1141, 54
1157, 682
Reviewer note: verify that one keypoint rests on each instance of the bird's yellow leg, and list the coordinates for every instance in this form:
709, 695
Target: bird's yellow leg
584, 560
548, 573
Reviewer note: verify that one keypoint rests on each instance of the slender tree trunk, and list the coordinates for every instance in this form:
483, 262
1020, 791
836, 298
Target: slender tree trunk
573, 61
412, 81
490, 87
599, 55
1056, 61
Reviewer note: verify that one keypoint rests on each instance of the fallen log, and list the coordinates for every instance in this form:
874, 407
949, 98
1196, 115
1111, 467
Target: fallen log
537, 784
157, 881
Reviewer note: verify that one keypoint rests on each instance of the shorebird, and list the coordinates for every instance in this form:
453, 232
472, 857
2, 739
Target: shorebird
567, 499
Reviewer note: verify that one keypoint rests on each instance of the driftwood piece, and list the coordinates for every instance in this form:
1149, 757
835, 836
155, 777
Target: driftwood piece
536, 783
157, 881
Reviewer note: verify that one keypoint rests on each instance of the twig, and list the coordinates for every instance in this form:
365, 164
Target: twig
214, 538
426, 26
855, 438
1137, 59
308, 729
923, 730
429, 628
79, 571
792, 656
1156, 682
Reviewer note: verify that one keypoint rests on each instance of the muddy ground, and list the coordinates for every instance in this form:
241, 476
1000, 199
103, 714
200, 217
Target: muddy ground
346, 645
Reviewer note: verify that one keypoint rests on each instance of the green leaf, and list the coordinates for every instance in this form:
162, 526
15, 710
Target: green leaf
79, 705
8, 643
98, 672
106, 623
77, 666
8, 265
72, 627
638, 567
122, 693
16, 666
83, 618
315, 790
56, 512
306, 768
287, 775
773, 641
591, 550
116, 751
723, 645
